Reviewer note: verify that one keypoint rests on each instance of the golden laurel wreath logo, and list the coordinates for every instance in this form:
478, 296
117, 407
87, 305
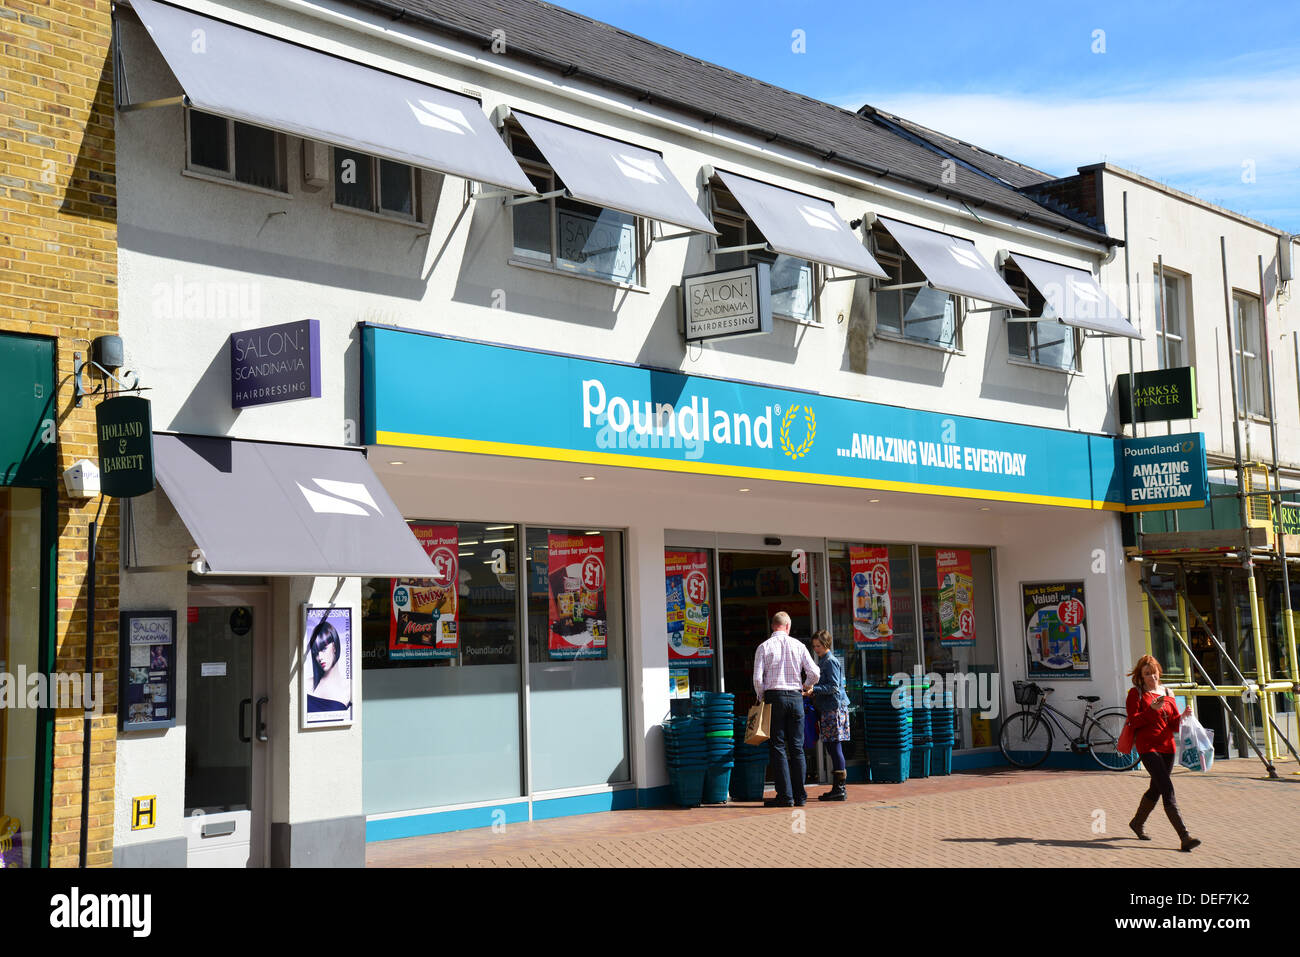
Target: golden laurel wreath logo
810, 420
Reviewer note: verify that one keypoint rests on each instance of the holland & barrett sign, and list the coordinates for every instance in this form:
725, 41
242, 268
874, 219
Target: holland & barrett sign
124, 430
1165, 471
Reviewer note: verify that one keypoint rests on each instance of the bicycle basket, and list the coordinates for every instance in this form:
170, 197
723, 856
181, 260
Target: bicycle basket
1026, 692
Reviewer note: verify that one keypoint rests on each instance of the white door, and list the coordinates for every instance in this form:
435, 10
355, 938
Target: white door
227, 730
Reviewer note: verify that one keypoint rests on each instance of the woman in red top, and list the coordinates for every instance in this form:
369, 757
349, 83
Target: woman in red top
1154, 718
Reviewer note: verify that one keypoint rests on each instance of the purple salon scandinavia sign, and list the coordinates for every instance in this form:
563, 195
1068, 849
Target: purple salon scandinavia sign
275, 364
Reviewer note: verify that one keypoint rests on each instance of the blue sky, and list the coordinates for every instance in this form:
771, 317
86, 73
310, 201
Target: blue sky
1202, 96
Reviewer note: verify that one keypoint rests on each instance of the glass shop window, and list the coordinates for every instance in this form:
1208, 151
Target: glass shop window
235, 151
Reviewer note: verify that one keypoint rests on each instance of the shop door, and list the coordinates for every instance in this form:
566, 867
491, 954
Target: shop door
754, 586
227, 729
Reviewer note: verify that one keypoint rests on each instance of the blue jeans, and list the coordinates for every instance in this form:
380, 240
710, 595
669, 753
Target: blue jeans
785, 748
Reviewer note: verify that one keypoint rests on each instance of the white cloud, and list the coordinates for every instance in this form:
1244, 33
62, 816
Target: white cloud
1193, 135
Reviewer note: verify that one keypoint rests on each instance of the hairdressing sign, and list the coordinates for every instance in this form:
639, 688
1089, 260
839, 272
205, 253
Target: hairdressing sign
327, 690
275, 364
147, 671
727, 303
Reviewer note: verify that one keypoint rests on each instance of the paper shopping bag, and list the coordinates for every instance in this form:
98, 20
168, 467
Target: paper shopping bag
759, 726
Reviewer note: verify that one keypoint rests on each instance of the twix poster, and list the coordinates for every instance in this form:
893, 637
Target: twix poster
689, 643
423, 620
873, 609
952, 568
576, 573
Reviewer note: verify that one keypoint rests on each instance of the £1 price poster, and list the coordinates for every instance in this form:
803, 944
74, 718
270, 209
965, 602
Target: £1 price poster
689, 643
576, 596
423, 623
873, 612
956, 583
1056, 636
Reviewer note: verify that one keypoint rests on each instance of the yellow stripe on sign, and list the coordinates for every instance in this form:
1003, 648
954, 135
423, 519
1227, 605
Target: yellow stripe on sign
510, 450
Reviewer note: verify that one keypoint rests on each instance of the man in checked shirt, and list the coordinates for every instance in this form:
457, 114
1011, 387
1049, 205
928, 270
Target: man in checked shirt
784, 672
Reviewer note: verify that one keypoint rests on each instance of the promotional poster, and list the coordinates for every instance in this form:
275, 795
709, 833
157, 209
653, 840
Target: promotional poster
576, 573
327, 667
690, 644
424, 623
956, 597
873, 612
1056, 636
148, 670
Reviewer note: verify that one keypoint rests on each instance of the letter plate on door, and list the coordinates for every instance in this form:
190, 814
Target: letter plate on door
220, 829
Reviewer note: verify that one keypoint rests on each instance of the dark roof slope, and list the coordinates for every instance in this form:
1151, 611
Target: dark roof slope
596, 53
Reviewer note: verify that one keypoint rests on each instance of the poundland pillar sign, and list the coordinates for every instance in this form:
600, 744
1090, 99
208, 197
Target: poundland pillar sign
1159, 396
124, 430
275, 364
1165, 471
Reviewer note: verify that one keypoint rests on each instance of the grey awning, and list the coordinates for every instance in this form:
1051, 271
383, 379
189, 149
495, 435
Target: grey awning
1074, 297
801, 226
262, 508
254, 78
617, 175
952, 264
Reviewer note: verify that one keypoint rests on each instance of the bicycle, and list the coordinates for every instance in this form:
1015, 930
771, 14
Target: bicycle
1026, 737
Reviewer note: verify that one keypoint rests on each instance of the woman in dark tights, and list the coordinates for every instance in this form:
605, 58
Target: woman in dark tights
1154, 718
832, 712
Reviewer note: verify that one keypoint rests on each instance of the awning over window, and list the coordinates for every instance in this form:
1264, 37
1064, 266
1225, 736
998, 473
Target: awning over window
617, 175
248, 76
263, 508
801, 226
952, 264
1074, 297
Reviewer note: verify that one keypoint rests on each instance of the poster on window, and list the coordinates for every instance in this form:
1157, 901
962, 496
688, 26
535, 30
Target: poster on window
576, 572
873, 611
956, 583
690, 645
148, 670
1056, 631
423, 623
326, 668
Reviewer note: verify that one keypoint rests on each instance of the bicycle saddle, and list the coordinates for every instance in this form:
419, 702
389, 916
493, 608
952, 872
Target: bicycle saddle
1089, 697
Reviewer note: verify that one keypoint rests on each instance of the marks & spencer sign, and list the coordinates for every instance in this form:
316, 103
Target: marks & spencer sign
1162, 395
727, 303
275, 364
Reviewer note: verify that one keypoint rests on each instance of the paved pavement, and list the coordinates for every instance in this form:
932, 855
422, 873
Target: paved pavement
988, 818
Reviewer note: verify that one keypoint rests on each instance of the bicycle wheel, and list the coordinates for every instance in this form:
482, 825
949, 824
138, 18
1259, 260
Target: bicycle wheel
1103, 741
1026, 739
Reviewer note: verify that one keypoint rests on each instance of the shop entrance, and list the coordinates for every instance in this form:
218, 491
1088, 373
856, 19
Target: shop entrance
754, 586
227, 727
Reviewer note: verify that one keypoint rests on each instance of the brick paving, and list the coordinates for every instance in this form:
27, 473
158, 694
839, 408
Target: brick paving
988, 818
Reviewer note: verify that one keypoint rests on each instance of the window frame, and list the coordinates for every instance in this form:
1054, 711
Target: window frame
533, 167
1019, 284
1240, 355
229, 175
737, 218
1165, 340
893, 261
415, 217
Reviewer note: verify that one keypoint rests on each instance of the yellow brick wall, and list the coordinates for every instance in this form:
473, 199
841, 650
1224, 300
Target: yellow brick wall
58, 277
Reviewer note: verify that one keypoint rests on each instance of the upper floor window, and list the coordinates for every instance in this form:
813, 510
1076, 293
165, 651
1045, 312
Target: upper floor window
1248, 349
912, 308
1046, 343
794, 281
567, 235
1171, 321
375, 185
235, 151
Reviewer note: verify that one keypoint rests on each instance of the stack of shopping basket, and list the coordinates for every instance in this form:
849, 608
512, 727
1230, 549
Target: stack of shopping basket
889, 734
943, 723
688, 759
717, 711
750, 773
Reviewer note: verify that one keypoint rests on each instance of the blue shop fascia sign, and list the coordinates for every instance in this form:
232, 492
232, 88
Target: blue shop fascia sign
518, 403
1165, 471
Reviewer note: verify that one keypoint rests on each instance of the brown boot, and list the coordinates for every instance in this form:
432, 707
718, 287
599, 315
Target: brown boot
1176, 819
1143, 812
